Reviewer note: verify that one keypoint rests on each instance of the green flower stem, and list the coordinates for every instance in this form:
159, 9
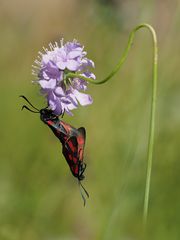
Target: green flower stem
153, 101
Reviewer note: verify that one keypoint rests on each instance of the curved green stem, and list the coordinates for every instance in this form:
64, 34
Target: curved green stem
153, 101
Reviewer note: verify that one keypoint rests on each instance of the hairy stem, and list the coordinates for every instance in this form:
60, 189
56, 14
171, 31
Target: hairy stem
153, 102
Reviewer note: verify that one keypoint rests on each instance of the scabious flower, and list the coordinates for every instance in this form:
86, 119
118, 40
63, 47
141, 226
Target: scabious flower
52, 66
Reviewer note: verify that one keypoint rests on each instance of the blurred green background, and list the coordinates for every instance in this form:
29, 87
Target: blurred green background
39, 198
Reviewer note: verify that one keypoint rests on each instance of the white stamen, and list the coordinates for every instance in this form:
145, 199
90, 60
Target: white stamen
61, 42
40, 53
45, 49
36, 67
35, 74
35, 71
38, 62
34, 81
51, 46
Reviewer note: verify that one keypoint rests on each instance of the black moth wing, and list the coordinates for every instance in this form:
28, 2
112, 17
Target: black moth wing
73, 151
81, 142
70, 152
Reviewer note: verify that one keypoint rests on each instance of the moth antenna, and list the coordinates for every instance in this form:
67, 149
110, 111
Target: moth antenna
83, 197
29, 102
24, 106
87, 194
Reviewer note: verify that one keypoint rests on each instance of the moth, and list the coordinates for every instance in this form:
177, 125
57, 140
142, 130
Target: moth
72, 140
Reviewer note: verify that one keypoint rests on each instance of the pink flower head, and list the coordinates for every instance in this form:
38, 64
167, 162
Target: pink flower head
51, 69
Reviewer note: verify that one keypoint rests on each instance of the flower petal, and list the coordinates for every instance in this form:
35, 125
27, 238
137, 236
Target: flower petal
52, 100
73, 99
58, 110
74, 54
55, 104
65, 100
59, 92
89, 75
51, 84
72, 65
51, 71
83, 99
61, 64
71, 106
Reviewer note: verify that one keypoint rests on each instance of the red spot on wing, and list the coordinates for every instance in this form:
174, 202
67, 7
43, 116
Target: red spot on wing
70, 157
50, 123
81, 143
67, 127
71, 146
76, 169
70, 151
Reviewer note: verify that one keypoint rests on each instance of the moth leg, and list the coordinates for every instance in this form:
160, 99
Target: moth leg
62, 115
82, 167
